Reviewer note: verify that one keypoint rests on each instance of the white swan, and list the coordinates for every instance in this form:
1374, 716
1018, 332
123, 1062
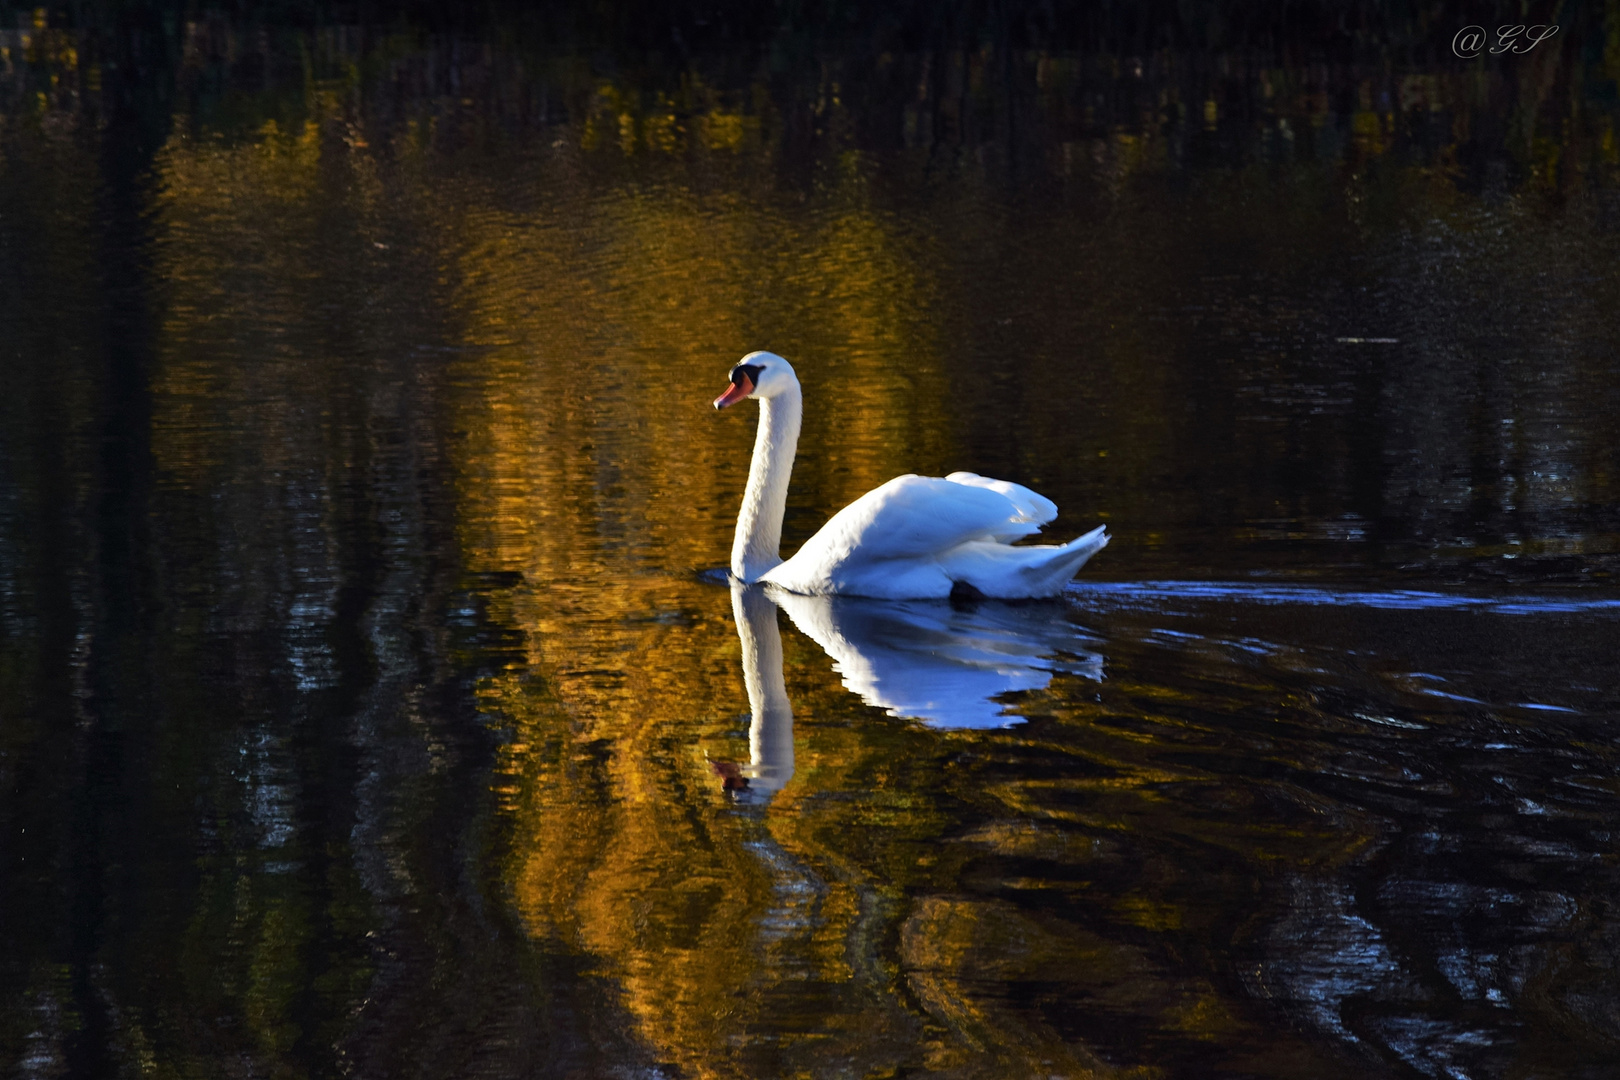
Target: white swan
915, 537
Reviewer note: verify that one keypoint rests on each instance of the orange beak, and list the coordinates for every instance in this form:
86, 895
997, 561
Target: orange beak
735, 392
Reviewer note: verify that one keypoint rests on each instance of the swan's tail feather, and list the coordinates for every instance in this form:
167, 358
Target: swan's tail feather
1048, 574
1021, 572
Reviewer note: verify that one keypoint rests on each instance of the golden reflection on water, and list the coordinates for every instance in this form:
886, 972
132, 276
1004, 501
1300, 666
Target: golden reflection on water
593, 331
601, 474
589, 325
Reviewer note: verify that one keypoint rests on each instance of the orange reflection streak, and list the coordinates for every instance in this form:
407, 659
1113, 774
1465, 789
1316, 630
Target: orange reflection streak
594, 465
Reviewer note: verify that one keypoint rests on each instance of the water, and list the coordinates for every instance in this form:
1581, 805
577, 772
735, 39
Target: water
371, 703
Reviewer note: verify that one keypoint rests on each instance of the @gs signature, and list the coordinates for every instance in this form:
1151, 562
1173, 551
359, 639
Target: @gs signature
1470, 40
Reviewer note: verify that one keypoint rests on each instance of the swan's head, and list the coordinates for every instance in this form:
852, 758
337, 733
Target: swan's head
760, 375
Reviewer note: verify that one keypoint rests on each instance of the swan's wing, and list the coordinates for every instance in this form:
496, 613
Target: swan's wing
914, 516
901, 527
1032, 506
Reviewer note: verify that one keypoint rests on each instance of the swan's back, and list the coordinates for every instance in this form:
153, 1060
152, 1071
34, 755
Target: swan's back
890, 541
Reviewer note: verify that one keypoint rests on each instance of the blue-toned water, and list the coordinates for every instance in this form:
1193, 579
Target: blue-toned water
1169, 596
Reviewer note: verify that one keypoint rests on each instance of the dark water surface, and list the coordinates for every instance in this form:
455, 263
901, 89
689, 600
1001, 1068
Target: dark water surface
368, 702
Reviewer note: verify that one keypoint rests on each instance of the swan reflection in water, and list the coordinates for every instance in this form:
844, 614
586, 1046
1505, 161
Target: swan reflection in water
770, 727
930, 660
939, 662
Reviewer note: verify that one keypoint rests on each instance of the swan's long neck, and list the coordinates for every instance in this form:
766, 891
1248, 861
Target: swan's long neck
770, 730
757, 545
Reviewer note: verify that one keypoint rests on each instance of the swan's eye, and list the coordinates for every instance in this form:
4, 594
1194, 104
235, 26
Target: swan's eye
744, 379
